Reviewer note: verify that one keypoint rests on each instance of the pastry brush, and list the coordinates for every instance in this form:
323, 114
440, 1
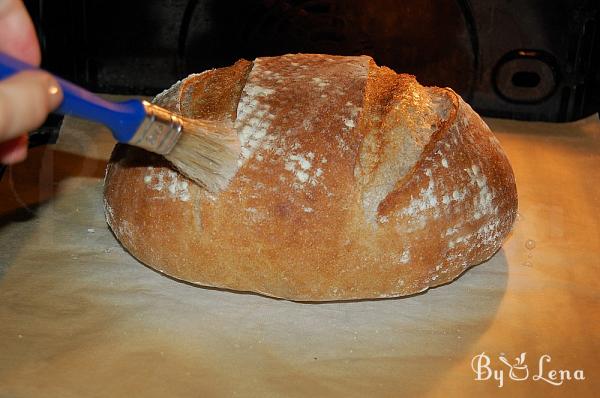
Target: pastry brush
204, 151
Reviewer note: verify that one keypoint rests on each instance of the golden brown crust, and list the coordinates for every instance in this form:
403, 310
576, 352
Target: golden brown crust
217, 94
354, 182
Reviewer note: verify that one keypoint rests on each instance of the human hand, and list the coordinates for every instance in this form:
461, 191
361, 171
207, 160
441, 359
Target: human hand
27, 97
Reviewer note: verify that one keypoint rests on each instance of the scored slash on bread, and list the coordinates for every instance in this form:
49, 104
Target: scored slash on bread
354, 182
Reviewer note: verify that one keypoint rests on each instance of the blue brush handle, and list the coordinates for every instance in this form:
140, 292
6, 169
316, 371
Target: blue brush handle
123, 118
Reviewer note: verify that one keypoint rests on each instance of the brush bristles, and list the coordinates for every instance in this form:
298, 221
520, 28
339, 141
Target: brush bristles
207, 152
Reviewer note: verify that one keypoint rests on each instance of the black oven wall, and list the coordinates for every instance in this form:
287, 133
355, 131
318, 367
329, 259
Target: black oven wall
530, 60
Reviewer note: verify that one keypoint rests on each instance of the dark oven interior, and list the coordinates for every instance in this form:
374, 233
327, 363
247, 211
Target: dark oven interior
531, 60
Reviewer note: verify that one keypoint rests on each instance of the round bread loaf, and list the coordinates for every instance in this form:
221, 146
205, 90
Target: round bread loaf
354, 182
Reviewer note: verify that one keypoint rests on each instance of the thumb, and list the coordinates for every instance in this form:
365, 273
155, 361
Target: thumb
25, 100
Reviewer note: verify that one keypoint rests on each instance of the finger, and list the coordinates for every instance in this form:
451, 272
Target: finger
17, 32
14, 151
25, 101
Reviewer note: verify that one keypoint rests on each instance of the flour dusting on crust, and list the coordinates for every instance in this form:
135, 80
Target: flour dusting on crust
168, 181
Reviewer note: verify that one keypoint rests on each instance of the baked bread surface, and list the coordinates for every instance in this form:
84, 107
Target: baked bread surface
354, 182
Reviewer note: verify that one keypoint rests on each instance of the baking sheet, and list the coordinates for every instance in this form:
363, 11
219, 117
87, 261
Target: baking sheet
80, 317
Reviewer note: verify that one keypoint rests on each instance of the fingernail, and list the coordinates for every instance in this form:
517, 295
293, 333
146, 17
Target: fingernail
55, 94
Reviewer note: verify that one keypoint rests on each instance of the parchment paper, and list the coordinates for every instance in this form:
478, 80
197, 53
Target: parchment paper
80, 317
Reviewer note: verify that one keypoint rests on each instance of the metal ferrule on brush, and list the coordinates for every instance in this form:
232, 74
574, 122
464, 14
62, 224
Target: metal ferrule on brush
160, 130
